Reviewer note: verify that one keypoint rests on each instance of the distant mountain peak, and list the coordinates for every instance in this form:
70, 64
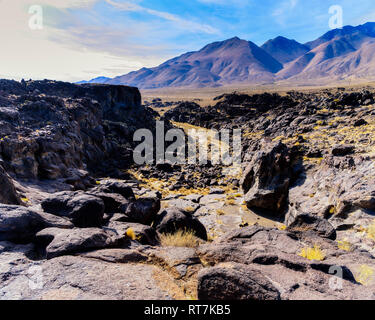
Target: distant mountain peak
234, 39
339, 53
284, 49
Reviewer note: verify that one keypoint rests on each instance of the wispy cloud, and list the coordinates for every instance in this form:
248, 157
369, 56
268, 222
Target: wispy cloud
282, 11
178, 21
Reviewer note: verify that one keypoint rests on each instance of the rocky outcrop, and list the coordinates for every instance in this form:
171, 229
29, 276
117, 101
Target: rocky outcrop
59, 242
190, 112
305, 224
53, 130
266, 179
261, 263
20, 224
309, 164
335, 190
115, 187
82, 209
77, 278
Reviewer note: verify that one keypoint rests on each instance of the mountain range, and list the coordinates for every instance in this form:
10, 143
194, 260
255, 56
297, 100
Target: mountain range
340, 54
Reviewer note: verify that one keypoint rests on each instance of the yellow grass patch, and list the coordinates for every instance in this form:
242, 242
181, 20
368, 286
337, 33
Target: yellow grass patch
189, 209
371, 231
314, 253
181, 238
365, 275
344, 245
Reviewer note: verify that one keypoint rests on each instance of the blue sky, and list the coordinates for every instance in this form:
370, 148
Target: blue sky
82, 39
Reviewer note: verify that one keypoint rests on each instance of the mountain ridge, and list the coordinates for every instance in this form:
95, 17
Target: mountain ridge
335, 55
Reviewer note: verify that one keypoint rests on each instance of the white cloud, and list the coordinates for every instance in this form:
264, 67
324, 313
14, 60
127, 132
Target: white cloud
57, 53
178, 21
72, 49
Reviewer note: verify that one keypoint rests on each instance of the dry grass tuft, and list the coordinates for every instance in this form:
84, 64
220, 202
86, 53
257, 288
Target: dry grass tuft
344, 245
220, 212
230, 202
371, 231
365, 275
314, 253
181, 238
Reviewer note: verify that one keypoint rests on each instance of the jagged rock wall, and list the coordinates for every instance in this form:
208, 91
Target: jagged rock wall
51, 130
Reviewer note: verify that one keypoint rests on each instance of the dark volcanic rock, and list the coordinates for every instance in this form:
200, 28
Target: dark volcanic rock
360, 122
235, 282
112, 201
8, 193
305, 223
266, 179
343, 150
277, 256
76, 278
118, 187
189, 112
84, 210
171, 220
60, 242
117, 255
50, 128
19, 224
142, 210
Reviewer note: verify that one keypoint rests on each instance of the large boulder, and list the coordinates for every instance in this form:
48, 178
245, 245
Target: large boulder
337, 188
82, 209
113, 186
117, 255
142, 210
19, 224
235, 282
58, 242
266, 179
112, 201
8, 193
171, 220
305, 223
